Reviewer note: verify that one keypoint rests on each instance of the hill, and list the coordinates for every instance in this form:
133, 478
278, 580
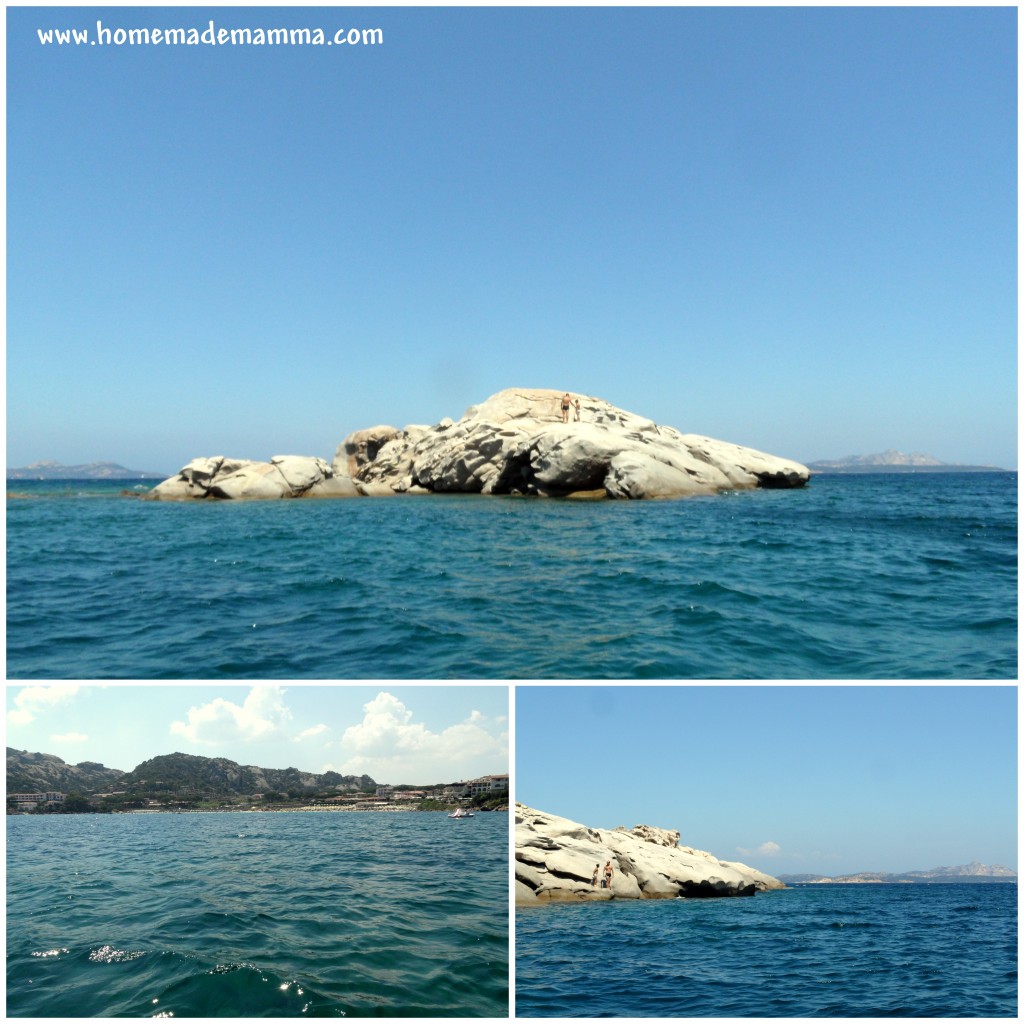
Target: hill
973, 872
180, 775
31, 773
188, 775
50, 470
892, 461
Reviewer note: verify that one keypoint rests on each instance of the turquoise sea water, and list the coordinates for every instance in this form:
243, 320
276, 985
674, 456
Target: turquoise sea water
257, 915
809, 951
873, 577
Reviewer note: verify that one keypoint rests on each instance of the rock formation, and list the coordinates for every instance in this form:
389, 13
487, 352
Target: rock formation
31, 772
514, 443
284, 476
555, 860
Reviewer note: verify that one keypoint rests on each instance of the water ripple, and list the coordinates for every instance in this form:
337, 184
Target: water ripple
854, 577
295, 915
835, 951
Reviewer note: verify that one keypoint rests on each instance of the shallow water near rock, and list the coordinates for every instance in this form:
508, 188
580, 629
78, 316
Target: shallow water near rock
855, 576
257, 915
810, 951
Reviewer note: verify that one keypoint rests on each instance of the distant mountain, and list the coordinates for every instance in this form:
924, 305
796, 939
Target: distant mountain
32, 773
179, 775
92, 471
892, 461
973, 872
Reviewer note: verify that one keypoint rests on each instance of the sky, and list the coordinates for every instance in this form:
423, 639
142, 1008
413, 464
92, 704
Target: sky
402, 734
793, 228
788, 779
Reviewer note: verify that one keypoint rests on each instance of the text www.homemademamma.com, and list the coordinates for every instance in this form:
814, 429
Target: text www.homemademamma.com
210, 36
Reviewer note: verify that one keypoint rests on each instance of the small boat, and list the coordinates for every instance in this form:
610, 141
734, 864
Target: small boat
460, 813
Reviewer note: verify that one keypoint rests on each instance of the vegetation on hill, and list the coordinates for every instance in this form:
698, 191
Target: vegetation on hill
190, 776
497, 801
179, 780
190, 782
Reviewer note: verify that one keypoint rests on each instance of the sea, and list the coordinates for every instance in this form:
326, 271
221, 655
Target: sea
856, 576
264, 914
879, 950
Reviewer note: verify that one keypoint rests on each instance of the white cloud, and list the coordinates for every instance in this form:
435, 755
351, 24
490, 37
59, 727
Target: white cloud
70, 737
34, 700
388, 745
261, 715
313, 730
766, 849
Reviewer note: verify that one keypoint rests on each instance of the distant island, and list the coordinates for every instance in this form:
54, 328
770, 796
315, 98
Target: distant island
50, 470
892, 461
973, 872
44, 783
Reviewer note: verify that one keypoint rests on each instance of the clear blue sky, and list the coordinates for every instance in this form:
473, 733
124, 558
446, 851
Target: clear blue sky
403, 734
793, 228
789, 779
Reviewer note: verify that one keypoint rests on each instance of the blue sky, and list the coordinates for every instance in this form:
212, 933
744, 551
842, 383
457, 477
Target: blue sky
793, 229
789, 779
403, 734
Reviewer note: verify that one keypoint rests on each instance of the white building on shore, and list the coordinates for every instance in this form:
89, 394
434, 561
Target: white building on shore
30, 801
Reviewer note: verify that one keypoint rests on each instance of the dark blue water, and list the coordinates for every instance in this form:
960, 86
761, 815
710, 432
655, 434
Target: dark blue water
809, 951
873, 577
257, 915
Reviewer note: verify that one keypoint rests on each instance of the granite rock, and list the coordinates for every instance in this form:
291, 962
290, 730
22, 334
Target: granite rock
555, 859
516, 443
284, 476
513, 443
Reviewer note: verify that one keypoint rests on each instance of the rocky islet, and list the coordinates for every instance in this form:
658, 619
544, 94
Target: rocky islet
514, 443
555, 859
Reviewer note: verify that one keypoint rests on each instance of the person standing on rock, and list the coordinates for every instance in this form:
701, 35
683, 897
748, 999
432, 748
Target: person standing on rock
566, 403
608, 875
576, 418
597, 868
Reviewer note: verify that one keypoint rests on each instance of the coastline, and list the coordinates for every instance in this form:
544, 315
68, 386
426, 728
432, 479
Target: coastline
264, 810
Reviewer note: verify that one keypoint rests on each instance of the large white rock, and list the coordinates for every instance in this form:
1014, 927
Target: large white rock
301, 472
633, 474
743, 465
333, 487
555, 860
284, 476
361, 448
258, 480
653, 834
516, 442
195, 479
513, 443
175, 488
